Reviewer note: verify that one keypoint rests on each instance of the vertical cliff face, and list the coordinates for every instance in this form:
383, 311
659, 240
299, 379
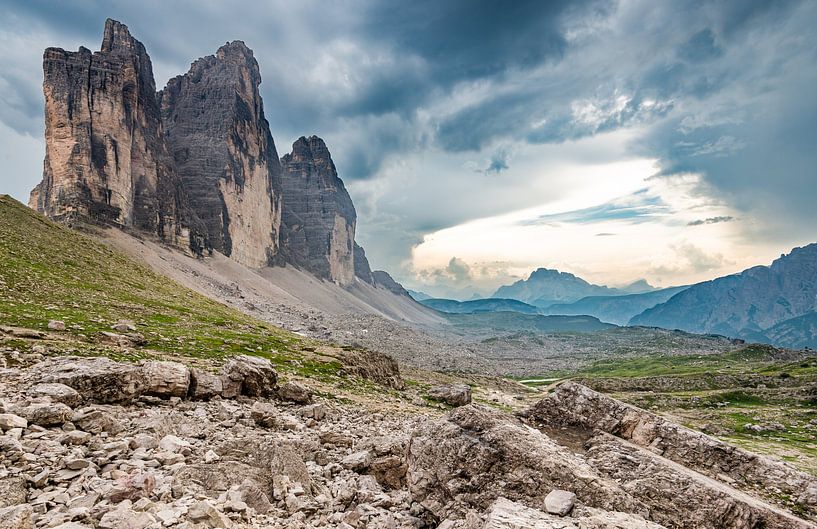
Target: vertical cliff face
194, 164
105, 154
318, 215
224, 152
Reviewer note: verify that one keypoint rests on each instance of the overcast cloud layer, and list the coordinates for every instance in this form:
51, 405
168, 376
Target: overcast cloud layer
674, 141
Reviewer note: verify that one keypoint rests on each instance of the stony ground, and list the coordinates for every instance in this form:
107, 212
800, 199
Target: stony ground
93, 443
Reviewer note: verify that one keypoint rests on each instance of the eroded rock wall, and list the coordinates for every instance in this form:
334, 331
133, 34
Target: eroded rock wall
224, 153
318, 215
105, 153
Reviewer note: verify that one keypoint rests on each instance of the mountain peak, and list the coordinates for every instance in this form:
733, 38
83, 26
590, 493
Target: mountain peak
546, 286
117, 36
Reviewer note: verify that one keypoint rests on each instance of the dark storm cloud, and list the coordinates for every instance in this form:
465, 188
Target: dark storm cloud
467, 39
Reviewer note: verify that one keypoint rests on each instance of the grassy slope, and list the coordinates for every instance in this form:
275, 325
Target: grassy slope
752, 359
48, 271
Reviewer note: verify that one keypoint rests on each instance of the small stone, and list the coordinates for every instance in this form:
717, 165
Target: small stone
46, 413
56, 325
211, 457
77, 464
77, 437
9, 421
264, 414
294, 392
456, 395
40, 479
172, 444
313, 411
204, 512
124, 326
560, 502
57, 393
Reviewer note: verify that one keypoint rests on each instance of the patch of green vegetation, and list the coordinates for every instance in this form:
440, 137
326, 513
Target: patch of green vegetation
496, 405
50, 272
755, 358
736, 398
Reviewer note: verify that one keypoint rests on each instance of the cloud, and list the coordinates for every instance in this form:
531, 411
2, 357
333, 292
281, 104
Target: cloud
497, 163
690, 259
711, 220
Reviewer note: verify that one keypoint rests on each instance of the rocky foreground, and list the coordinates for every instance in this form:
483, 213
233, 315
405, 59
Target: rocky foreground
89, 442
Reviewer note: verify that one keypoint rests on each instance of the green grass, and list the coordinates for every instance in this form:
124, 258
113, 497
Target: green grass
50, 272
755, 358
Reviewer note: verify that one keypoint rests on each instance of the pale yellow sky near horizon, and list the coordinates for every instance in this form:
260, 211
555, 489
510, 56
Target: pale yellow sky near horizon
619, 223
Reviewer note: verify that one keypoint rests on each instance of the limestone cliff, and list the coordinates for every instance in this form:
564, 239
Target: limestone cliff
318, 215
224, 152
196, 158
106, 158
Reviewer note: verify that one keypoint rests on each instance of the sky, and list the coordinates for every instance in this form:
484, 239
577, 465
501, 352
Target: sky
617, 140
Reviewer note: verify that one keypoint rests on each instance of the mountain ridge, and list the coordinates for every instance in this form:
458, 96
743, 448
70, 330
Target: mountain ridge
546, 286
745, 304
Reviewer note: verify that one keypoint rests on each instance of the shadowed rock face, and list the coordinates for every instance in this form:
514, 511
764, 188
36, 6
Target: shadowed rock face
318, 215
225, 154
105, 153
362, 268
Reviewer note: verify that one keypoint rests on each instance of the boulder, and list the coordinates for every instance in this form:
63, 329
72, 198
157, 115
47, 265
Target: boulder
17, 517
475, 455
96, 379
95, 420
166, 379
456, 395
507, 514
371, 365
204, 385
57, 393
205, 513
576, 406
10, 420
264, 414
249, 375
294, 392
13, 491
252, 494
45, 413
132, 487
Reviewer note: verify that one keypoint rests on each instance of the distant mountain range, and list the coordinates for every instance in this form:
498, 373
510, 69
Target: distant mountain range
615, 309
546, 287
776, 303
479, 305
